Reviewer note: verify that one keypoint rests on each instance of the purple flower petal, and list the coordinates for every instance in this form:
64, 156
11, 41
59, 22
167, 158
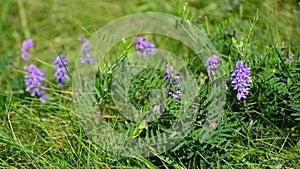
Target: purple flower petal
26, 45
80, 39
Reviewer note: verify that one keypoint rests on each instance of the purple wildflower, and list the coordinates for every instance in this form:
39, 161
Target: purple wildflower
86, 56
156, 108
151, 48
140, 43
170, 77
290, 57
142, 47
211, 64
61, 74
167, 72
27, 44
176, 96
80, 39
34, 82
241, 79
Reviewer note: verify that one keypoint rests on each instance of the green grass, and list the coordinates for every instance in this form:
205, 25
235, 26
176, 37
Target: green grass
260, 132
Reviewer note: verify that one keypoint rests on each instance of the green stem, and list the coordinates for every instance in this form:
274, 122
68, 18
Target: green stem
23, 19
4, 14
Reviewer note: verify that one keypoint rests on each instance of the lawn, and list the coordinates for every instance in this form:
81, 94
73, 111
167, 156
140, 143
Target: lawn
195, 84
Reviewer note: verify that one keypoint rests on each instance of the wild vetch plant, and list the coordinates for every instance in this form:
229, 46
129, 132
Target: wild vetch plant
61, 74
240, 80
144, 48
263, 125
290, 57
211, 64
84, 47
27, 44
34, 77
34, 81
173, 80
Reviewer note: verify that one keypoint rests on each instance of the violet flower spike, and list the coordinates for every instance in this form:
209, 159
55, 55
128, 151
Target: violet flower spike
211, 64
27, 44
173, 79
240, 80
34, 82
61, 74
86, 56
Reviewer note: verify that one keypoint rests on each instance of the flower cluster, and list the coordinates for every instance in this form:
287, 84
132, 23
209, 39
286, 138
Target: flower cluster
241, 80
86, 56
142, 47
211, 64
61, 74
27, 44
174, 80
34, 82
34, 78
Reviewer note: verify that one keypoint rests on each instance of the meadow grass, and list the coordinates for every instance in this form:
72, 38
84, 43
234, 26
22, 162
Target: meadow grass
261, 131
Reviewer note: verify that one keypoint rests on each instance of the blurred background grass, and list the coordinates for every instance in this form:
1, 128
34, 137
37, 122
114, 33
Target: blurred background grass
56, 24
